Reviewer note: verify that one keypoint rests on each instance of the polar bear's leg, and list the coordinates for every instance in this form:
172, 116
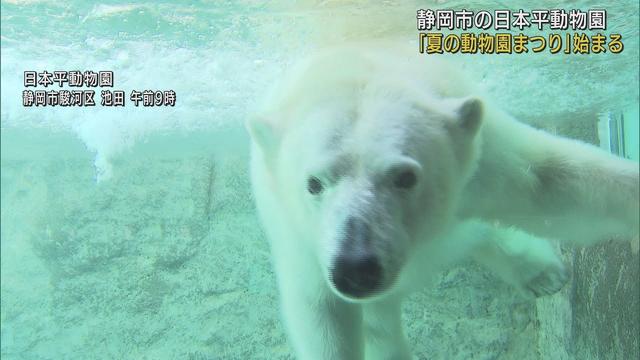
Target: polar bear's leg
384, 335
552, 186
523, 260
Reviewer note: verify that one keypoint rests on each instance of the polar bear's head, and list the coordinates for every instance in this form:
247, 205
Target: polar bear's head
366, 167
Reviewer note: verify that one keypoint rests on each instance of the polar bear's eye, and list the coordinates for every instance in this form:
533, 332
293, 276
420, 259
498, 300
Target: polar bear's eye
314, 186
405, 180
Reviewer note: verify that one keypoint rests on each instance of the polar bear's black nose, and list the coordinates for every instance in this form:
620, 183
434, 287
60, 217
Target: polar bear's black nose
357, 276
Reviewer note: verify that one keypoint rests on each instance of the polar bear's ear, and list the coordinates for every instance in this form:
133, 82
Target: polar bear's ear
263, 132
470, 114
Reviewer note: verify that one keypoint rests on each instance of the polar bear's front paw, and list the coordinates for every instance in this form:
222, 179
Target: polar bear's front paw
530, 263
547, 282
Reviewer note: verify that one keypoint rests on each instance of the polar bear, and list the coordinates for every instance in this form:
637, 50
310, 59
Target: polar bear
373, 167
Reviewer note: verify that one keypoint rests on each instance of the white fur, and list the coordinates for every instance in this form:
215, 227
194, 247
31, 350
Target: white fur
487, 186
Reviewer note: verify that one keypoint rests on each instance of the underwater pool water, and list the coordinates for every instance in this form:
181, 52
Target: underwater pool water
130, 233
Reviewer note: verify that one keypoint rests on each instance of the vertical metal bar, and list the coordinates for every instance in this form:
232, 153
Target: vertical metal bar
614, 142
623, 148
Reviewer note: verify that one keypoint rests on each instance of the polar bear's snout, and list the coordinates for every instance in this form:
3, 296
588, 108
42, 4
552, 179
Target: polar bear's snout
357, 275
357, 234
356, 271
